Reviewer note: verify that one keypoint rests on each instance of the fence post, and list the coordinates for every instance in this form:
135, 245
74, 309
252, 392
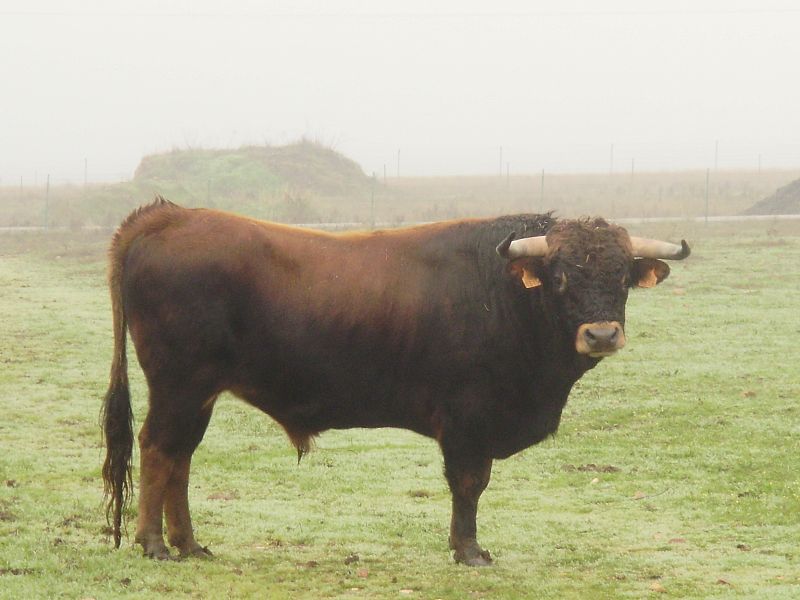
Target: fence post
716, 154
631, 196
611, 161
501, 161
707, 174
372, 203
47, 203
541, 194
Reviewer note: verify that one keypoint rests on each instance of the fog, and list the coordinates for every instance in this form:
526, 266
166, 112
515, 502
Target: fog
461, 87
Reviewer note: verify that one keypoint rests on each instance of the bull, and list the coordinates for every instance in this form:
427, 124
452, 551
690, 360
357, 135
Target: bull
470, 332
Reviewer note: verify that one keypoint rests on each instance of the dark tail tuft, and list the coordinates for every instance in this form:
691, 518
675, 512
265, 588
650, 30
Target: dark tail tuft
117, 424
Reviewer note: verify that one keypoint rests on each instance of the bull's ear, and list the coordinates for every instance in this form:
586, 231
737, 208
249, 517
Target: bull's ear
648, 272
524, 269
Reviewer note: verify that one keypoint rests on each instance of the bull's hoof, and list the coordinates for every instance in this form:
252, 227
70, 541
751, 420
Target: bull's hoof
473, 556
154, 547
159, 553
197, 552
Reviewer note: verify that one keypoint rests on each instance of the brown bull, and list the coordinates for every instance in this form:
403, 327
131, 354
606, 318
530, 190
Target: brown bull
428, 329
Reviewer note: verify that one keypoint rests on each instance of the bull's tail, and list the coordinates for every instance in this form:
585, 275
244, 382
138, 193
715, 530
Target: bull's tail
116, 415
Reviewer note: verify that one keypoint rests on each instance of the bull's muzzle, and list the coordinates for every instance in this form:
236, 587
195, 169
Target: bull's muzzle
599, 339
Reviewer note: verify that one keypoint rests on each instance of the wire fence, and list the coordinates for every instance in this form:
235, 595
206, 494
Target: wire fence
385, 201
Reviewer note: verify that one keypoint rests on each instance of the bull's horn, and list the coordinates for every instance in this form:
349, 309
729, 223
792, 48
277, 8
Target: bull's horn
532, 246
647, 248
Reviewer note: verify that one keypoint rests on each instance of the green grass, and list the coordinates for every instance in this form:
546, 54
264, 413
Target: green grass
698, 417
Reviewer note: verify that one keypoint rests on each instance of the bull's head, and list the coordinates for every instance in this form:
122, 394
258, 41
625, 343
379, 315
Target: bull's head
585, 269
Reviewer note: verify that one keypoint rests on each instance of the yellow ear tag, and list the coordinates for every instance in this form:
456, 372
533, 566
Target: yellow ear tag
530, 280
649, 279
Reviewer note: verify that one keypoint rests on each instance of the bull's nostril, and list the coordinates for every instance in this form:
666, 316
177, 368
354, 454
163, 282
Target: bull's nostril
601, 338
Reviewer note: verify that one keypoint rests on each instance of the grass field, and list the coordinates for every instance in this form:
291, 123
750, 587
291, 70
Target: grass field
676, 471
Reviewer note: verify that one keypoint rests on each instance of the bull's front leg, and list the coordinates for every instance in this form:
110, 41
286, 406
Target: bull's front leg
467, 475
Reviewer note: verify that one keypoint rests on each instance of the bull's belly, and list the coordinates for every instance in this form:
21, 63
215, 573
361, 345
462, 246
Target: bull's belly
313, 411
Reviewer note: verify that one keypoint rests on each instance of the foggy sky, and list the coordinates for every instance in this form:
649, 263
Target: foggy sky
555, 84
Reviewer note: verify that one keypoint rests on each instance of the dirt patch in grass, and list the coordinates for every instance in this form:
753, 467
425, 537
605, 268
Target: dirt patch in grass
226, 496
16, 571
591, 468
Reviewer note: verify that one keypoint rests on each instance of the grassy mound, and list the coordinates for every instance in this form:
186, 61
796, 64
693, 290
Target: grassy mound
251, 171
303, 182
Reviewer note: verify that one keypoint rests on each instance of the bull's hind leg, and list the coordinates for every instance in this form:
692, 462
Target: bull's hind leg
155, 471
171, 432
180, 532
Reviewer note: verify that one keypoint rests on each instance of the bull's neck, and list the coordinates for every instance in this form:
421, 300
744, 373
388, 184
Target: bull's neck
552, 344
